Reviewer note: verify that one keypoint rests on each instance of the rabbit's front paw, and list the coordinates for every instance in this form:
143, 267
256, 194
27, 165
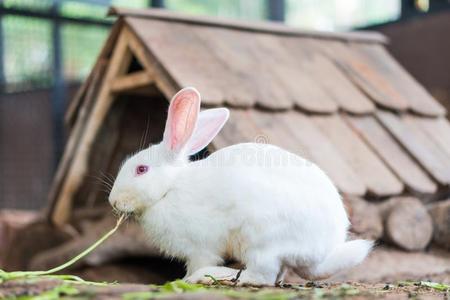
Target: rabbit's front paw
211, 275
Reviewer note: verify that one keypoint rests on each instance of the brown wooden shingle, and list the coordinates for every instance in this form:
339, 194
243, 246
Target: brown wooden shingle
335, 83
240, 91
419, 144
379, 180
392, 154
437, 129
322, 151
291, 68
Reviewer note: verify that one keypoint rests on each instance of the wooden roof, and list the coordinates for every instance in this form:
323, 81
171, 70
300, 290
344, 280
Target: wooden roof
340, 100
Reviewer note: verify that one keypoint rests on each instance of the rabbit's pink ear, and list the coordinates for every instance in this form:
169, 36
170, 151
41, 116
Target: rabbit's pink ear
209, 123
181, 119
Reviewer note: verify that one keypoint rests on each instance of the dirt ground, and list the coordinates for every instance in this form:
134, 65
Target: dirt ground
58, 289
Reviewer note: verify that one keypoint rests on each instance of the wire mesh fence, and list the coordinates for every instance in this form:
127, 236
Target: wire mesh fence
47, 48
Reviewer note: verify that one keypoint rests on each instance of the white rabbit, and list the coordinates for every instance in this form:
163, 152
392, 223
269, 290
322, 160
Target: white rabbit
259, 204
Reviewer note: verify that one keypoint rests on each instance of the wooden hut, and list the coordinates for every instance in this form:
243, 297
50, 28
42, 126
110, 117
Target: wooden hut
338, 99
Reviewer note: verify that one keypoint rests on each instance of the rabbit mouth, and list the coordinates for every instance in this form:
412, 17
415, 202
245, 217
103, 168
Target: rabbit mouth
138, 212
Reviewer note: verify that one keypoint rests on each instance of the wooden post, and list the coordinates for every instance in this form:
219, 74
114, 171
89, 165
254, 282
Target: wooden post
132, 81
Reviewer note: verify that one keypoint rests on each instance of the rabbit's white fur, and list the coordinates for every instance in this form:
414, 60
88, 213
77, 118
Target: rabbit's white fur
259, 204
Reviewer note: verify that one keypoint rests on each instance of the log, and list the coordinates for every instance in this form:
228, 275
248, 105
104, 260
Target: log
440, 214
365, 218
407, 223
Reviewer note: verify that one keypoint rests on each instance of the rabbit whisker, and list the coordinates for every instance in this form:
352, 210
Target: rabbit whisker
108, 177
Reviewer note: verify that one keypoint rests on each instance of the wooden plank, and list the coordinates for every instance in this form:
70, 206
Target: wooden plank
289, 68
392, 154
419, 145
365, 76
251, 26
379, 180
335, 83
183, 55
131, 81
438, 129
314, 145
419, 100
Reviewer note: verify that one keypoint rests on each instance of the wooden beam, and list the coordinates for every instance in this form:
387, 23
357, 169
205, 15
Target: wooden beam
131, 81
74, 138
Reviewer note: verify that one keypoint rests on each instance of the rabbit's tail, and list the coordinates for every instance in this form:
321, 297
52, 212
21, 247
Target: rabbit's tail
344, 256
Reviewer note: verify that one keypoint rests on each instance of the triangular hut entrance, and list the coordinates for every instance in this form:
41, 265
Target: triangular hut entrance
338, 99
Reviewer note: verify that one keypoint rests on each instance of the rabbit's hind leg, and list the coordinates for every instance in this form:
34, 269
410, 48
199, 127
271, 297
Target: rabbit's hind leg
261, 269
202, 260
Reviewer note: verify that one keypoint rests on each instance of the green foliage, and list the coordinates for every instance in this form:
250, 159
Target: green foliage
80, 47
240, 9
28, 4
436, 285
428, 284
76, 9
28, 50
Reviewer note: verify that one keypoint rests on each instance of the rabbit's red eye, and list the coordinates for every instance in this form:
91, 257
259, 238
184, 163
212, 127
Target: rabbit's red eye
141, 169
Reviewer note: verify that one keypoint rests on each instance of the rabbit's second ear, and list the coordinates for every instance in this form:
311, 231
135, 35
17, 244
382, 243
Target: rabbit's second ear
181, 119
209, 123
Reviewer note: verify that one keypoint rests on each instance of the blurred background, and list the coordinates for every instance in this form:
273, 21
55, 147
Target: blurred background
47, 48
